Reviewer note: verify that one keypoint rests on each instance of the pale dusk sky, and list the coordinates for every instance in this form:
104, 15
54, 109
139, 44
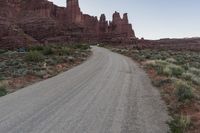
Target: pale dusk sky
151, 19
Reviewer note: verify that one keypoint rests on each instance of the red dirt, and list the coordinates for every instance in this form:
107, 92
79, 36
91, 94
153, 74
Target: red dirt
19, 82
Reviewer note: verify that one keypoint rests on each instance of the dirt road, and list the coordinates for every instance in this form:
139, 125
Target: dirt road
108, 93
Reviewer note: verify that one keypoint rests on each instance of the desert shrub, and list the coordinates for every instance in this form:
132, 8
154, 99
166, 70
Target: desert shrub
19, 72
3, 90
162, 62
65, 51
187, 76
195, 80
176, 70
2, 65
47, 51
51, 61
171, 60
167, 71
191, 77
195, 71
154, 54
160, 65
13, 62
34, 56
161, 82
138, 57
186, 66
36, 48
165, 68
2, 51
80, 46
147, 54
164, 55
180, 59
71, 58
179, 124
1, 77
40, 73
36, 67
183, 91
10, 54
59, 59
157, 56
195, 64
150, 63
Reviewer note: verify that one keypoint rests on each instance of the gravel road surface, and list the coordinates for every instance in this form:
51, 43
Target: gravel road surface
109, 93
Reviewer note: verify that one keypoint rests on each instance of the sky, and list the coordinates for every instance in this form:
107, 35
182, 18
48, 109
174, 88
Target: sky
151, 19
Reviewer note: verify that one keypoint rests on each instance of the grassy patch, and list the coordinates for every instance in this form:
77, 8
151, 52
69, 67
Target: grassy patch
36, 48
65, 51
165, 68
1, 78
2, 51
176, 70
47, 51
183, 91
179, 124
34, 56
195, 71
80, 46
3, 90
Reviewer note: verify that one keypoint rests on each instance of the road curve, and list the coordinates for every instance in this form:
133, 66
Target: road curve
108, 93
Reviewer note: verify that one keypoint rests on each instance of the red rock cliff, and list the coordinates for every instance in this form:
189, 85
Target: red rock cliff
42, 21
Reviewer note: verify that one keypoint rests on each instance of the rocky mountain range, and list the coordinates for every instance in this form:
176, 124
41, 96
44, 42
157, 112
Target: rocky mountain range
27, 22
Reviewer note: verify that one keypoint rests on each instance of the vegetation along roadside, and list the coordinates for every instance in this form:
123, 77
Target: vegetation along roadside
23, 67
177, 75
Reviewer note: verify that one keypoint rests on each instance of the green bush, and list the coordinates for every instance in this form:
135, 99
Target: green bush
183, 91
3, 90
180, 59
191, 77
36, 48
195, 71
187, 76
176, 70
65, 51
3, 64
171, 60
14, 62
195, 64
2, 51
47, 51
165, 68
34, 56
179, 124
167, 71
195, 80
80, 46
19, 72
162, 62
138, 57
51, 61
161, 67
161, 82
40, 74
1, 77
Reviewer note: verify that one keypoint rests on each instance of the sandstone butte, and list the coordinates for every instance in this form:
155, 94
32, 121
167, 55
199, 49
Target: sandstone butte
28, 22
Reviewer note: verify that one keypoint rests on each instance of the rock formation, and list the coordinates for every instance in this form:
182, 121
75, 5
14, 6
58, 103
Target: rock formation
25, 22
